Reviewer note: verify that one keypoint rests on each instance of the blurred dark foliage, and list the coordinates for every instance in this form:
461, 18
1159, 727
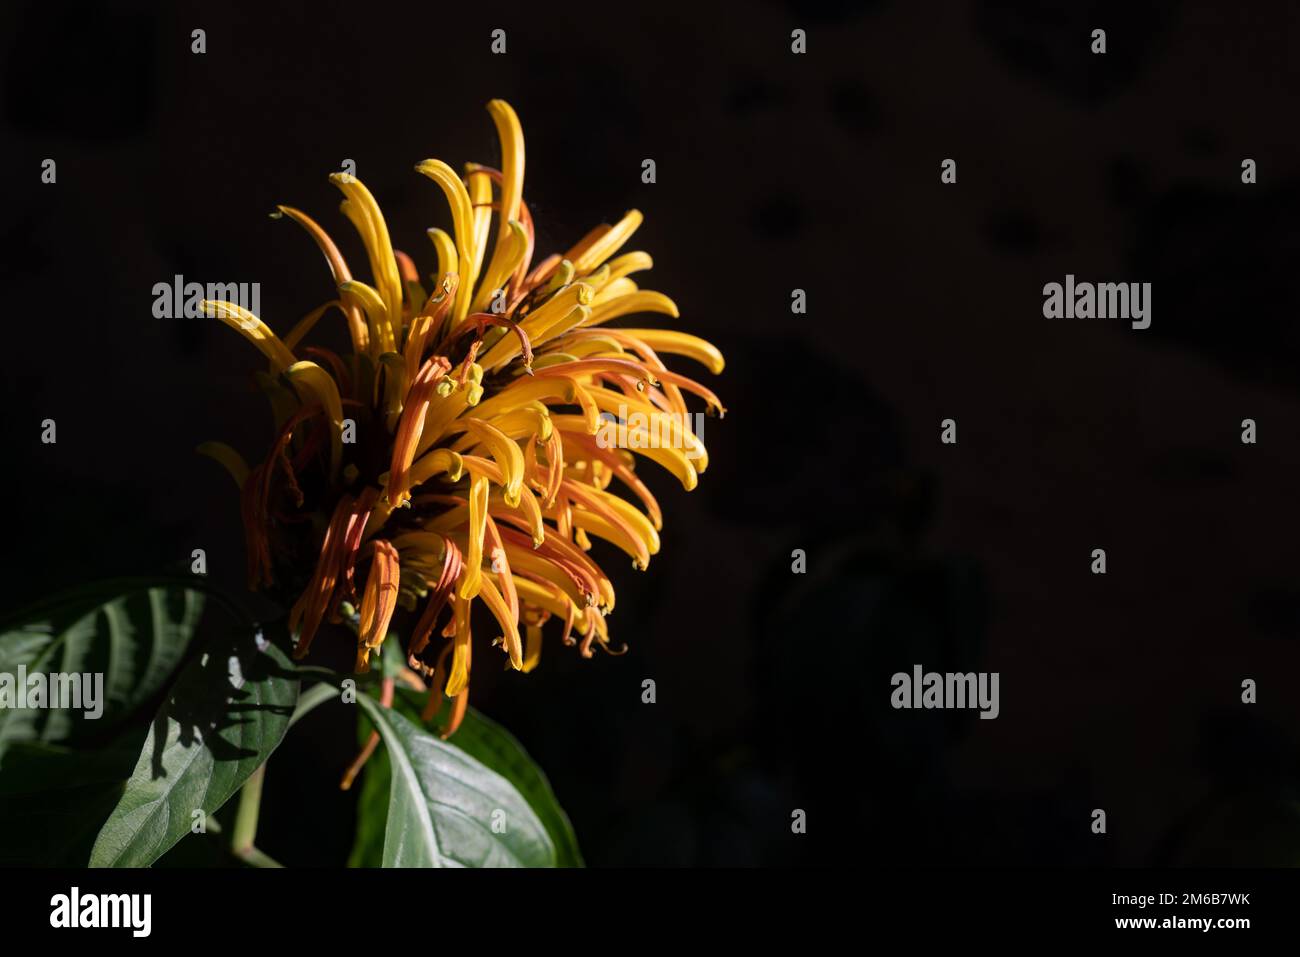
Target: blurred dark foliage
775, 172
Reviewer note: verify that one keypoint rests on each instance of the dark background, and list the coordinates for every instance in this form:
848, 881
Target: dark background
775, 171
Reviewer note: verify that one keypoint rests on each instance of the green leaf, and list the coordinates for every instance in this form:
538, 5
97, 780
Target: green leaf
53, 799
445, 809
482, 738
227, 712
133, 632
492, 745
372, 808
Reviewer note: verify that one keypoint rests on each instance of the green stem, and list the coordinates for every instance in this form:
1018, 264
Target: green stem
250, 804
256, 858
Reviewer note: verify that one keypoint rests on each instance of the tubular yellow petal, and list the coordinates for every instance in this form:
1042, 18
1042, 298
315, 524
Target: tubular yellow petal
657, 426
462, 217
557, 307
557, 548
643, 301
672, 379
629, 263
577, 316
527, 511
613, 460
609, 243
546, 595
378, 516
588, 371
477, 465
531, 421
674, 343
458, 680
561, 389
505, 452
584, 344
509, 625
517, 425
379, 600
600, 526
597, 279
553, 359
383, 263
473, 574
530, 563
538, 275
674, 460
313, 603
511, 134
232, 461
532, 513
586, 242
479, 187
425, 326
417, 335
437, 461
310, 381
416, 543
598, 517
443, 409
498, 562
509, 254
338, 270
251, 328
381, 330
396, 383
445, 247
629, 513
562, 276
538, 322
532, 647
590, 411
410, 427
614, 290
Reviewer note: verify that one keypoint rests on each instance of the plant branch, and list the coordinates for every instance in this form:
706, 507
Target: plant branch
245, 833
